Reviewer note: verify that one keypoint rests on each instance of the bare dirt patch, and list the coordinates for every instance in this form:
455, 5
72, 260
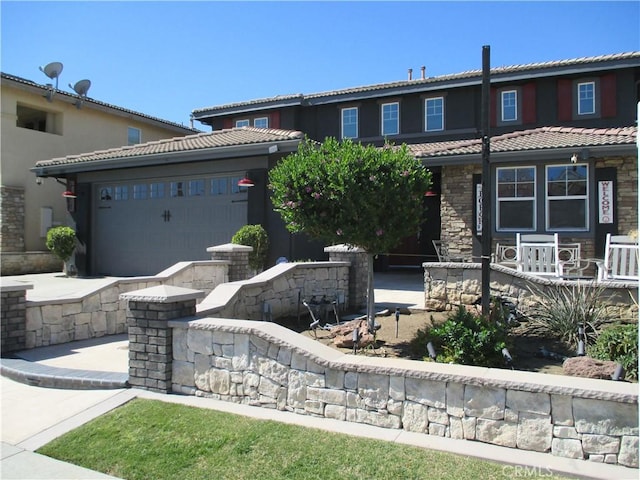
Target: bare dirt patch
528, 341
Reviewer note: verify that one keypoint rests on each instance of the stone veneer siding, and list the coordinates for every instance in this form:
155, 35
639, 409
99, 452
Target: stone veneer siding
238, 258
11, 219
448, 285
626, 206
22, 263
13, 308
264, 364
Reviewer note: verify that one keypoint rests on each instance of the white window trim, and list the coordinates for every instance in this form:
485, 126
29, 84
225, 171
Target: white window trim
266, 120
243, 123
397, 132
518, 199
502, 95
548, 199
342, 112
593, 99
426, 123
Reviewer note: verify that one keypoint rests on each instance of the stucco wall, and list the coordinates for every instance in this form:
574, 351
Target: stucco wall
264, 364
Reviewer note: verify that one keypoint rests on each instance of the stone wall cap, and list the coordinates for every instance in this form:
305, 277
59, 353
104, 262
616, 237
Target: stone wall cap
162, 294
230, 247
7, 285
343, 247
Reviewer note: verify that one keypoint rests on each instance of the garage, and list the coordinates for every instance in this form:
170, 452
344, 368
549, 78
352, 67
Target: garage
143, 227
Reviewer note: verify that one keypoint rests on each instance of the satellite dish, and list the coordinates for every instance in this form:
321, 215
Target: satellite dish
82, 87
52, 70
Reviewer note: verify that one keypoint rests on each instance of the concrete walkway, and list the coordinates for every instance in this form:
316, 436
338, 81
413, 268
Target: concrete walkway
33, 416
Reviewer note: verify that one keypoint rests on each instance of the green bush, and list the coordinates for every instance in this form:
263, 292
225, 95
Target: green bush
254, 236
61, 241
618, 343
464, 338
564, 309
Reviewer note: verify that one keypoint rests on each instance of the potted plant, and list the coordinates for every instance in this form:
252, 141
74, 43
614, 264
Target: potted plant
61, 241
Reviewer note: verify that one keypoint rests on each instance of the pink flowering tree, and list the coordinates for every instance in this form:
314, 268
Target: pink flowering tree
345, 192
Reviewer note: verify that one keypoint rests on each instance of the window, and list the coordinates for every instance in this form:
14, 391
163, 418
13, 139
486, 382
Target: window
134, 136
349, 122
121, 192
242, 123
140, 191
105, 194
390, 118
177, 189
509, 105
219, 186
156, 190
34, 119
434, 114
196, 188
262, 122
586, 98
567, 197
516, 199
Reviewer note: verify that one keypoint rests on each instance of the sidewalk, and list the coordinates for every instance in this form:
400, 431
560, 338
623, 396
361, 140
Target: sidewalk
33, 416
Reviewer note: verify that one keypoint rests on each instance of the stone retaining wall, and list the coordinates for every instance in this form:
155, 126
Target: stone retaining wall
13, 307
450, 284
22, 263
264, 364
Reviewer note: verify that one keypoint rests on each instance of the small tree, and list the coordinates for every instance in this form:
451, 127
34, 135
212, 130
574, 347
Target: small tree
254, 236
344, 192
61, 241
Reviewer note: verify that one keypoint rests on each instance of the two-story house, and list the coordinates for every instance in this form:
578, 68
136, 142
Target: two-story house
40, 122
563, 145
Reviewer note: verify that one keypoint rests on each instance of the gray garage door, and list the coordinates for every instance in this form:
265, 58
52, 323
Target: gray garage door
143, 227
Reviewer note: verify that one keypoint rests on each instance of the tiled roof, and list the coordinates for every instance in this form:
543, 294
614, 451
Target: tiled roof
143, 117
221, 138
430, 81
543, 138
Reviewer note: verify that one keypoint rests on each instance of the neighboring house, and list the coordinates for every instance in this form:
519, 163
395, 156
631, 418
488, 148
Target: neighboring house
542, 116
40, 122
143, 208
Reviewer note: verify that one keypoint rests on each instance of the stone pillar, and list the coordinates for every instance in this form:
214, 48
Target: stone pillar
14, 315
237, 255
150, 337
357, 257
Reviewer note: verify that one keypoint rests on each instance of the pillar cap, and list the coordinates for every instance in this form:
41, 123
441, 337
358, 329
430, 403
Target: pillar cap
230, 247
7, 285
343, 247
162, 294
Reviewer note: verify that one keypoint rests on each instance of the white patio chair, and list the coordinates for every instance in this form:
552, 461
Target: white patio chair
538, 254
506, 255
620, 259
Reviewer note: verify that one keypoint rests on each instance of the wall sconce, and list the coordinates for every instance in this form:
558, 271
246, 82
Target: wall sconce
246, 182
430, 193
69, 194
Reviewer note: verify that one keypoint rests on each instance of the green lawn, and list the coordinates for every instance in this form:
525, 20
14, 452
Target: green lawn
153, 440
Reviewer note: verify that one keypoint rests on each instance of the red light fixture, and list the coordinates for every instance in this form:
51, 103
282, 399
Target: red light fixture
245, 182
68, 194
430, 193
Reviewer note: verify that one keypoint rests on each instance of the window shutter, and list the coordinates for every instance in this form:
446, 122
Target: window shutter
274, 119
565, 100
492, 107
608, 95
227, 123
529, 103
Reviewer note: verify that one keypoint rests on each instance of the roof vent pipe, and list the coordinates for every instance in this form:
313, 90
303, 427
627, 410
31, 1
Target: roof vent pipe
423, 72
410, 73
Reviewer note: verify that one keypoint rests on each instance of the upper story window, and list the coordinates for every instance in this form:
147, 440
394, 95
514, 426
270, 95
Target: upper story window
242, 123
261, 122
134, 136
390, 118
349, 120
509, 103
567, 197
516, 199
35, 119
434, 114
586, 98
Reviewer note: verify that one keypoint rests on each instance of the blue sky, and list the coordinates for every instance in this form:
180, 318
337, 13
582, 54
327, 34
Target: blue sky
168, 58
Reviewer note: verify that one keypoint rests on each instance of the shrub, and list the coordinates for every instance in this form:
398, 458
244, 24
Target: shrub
618, 343
61, 241
464, 338
564, 309
254, 236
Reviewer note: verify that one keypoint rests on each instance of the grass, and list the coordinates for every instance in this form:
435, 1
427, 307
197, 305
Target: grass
147, 439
